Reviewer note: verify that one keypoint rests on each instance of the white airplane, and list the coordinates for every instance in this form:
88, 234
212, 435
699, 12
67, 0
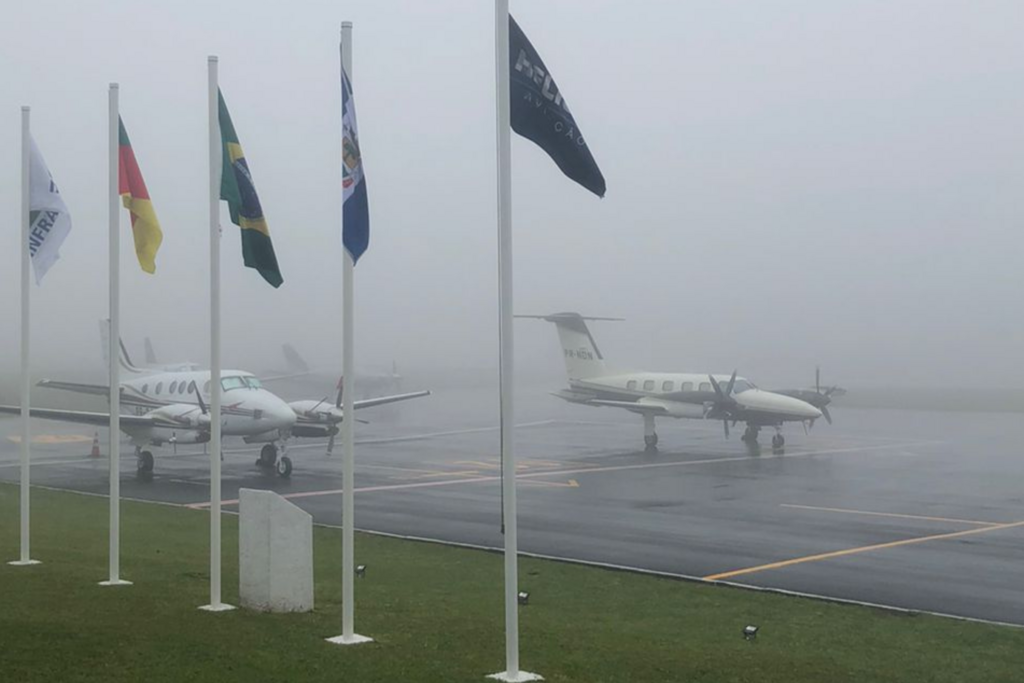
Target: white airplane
677, 395
172, 408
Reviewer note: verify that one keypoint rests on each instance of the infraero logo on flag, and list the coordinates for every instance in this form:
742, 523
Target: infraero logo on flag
355, 205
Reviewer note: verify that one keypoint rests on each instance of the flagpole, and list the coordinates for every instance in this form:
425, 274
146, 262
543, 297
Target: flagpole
215, 166
26, 431
348, 635
113, 341
505, 348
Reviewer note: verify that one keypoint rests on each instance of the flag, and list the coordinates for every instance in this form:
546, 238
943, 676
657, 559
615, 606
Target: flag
355, 205
238, 190
539, 113
135, 197
48, 220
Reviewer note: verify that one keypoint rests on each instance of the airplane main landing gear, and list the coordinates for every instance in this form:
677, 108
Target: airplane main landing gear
268, 456
778, 442
650, 436
144, 463
750, 434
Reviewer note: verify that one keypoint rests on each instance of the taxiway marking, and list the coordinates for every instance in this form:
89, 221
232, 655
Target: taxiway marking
861, 549
569, 471
890, 514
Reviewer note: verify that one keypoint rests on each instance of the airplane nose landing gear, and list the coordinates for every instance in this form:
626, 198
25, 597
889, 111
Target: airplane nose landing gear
650, 436
750, 434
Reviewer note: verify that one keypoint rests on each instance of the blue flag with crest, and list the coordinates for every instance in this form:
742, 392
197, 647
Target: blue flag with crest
355, 208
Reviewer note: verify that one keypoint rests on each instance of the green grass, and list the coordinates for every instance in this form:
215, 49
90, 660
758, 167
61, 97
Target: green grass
436, 615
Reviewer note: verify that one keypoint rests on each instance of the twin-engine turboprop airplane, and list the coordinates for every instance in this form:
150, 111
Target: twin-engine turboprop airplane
677, 395
172, 408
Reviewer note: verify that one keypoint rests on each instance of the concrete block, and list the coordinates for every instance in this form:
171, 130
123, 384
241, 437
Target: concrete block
275, 549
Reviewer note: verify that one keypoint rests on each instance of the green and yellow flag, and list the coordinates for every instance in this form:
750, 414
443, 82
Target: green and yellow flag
238, 190
135, 197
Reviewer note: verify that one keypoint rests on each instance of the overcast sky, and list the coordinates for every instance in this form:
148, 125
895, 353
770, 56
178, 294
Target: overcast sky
789, 183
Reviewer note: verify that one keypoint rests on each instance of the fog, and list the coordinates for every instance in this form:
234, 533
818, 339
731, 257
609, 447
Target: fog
789, 184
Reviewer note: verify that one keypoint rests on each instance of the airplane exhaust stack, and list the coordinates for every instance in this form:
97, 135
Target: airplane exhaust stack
95, 453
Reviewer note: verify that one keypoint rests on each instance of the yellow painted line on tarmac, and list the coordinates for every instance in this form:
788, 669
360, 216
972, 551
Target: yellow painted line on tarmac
854, 551
954, 520
571, 484
54, 438
449, 473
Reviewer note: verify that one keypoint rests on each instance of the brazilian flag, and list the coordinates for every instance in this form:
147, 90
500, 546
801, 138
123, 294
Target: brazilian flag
238, 190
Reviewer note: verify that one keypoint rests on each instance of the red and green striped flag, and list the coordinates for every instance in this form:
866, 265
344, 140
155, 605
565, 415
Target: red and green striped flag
135, 197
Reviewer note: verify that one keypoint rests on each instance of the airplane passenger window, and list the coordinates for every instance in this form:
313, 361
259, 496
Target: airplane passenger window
159, 387
686, 386
173, 388
181, 388
668, 386
145, 388
631, 384
649, 385
705, 386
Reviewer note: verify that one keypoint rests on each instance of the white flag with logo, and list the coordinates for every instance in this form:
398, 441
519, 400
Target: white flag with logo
49, 220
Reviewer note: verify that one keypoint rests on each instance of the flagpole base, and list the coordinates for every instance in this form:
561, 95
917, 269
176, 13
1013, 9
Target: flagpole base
521, 677
354, 639
115, 582
219, 607
23, 563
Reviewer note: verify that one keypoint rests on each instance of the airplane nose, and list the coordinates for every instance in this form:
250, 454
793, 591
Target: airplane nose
810, 412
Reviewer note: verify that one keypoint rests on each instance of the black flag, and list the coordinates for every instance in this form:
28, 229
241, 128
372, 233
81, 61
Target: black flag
539, 113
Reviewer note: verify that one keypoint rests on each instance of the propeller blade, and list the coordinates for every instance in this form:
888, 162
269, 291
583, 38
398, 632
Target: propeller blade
725, 424
827, 415
732, 383
817, 379
362, 422
202, 403
341, 388
718, 389
330, 445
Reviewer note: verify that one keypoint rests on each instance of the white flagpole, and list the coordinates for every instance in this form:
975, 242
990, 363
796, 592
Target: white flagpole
215, 168
114, 268
348, 635
505, 348
26, 431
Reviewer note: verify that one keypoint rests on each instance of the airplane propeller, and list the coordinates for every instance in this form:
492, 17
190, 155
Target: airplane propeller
823, 398
723, 405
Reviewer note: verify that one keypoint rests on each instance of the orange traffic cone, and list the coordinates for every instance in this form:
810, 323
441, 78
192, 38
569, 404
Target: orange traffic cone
95, 453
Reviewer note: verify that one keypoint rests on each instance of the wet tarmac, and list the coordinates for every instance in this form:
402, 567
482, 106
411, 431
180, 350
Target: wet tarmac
918, 510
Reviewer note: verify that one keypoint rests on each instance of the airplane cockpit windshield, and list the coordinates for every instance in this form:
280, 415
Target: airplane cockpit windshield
742, 385
253, 382
229, 383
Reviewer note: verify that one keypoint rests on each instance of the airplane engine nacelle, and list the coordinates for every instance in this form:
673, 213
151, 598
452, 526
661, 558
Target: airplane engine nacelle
307, 431
185, 414
676, 408
321, 411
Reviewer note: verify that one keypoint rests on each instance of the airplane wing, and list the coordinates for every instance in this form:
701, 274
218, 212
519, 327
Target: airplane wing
382, 400
128, 396
646, 408
84, 417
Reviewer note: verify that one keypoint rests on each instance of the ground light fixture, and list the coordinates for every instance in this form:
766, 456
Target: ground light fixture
750, 632
524, 598
361, 570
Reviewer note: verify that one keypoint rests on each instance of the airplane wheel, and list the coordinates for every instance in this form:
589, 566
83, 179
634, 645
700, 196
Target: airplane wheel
268, 455
284, 467
651, 443
144, 464
778, 441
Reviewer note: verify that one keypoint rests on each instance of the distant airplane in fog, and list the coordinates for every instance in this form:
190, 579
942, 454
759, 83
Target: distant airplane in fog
172, 409
676, 395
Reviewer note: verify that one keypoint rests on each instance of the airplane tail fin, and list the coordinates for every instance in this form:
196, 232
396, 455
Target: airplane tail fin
123, 357
583, 359
296, 364
150, 353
